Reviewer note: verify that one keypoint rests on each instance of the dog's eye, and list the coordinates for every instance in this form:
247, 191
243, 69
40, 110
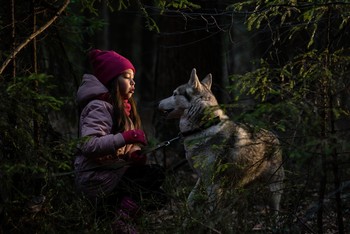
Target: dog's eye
174, 94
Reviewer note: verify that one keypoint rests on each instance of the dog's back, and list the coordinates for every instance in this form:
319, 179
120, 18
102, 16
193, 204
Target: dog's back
238, 153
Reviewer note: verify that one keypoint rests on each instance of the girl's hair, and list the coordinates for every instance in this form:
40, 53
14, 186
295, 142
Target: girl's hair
120, 118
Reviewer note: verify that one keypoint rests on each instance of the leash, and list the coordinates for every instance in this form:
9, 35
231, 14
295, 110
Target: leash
118, 165
163, 144
167, 143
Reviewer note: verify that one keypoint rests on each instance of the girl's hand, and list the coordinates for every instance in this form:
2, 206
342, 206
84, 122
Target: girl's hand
134, 136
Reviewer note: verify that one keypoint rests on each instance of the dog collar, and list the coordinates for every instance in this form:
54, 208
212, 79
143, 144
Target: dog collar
208, 124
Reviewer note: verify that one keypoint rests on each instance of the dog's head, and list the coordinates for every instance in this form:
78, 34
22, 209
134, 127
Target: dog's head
183, 96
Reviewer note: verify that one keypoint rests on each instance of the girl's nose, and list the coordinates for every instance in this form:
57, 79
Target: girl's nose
132, 82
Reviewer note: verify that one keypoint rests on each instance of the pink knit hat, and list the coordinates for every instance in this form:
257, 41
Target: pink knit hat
107, 65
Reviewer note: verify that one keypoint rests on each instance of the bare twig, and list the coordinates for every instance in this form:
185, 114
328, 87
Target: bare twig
32, 36
13, 34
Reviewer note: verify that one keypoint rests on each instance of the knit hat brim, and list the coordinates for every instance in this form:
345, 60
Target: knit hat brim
107, 65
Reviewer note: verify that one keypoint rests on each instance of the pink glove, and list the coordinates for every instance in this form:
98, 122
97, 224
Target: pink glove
137, 157
134, 136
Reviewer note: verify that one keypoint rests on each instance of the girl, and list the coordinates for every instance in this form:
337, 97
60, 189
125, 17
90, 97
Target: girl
110, 168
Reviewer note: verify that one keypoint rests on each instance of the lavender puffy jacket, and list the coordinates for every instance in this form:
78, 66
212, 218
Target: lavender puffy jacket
96, 126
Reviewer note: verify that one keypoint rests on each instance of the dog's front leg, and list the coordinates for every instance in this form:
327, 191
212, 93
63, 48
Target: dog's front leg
192, 196
214, 194
276, 188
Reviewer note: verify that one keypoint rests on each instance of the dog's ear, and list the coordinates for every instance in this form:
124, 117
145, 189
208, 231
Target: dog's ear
194, 81
207, 81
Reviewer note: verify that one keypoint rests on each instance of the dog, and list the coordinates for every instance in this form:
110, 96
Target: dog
224, 154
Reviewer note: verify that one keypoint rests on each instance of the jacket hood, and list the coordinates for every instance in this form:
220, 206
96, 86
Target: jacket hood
89, 89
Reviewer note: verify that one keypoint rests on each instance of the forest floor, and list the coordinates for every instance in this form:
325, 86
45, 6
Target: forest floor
299, 212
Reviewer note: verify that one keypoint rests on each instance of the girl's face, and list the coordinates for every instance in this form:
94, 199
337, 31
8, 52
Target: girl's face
126, 83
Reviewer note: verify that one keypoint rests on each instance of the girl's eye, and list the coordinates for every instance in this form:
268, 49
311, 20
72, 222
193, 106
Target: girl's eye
127, 76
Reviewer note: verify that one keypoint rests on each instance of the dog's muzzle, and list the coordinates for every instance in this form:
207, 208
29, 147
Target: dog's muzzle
166, 112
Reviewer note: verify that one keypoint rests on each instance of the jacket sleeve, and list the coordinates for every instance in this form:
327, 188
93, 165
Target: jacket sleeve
96, 126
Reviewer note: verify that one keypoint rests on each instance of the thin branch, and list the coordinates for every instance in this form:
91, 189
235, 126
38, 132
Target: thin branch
13, 25
32, 36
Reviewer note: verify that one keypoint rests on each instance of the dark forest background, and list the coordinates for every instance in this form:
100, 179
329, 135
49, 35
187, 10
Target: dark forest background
280, 65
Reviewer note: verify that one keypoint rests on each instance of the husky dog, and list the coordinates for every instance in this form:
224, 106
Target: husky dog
224, 154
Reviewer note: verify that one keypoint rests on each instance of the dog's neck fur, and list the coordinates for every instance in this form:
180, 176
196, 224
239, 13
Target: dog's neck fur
193, 121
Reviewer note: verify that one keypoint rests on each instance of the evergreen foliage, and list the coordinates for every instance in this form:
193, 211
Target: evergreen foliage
299, 88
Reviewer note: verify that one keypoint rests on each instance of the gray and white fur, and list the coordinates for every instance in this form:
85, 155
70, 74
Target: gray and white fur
219, 149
